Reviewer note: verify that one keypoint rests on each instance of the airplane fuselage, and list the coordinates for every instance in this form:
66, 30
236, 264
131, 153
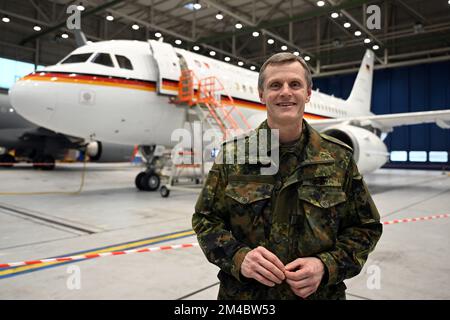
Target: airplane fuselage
76, 98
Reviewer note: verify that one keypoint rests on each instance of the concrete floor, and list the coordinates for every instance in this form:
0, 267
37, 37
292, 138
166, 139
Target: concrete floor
411, 261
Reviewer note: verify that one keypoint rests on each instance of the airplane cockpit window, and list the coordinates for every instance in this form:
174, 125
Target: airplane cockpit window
124, 62
103, 59
76, 58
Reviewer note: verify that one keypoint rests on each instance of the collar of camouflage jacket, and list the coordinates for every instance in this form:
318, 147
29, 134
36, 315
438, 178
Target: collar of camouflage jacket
313, 152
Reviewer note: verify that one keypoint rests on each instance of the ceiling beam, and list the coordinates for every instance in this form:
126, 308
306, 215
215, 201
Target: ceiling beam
285, 21
63, 23
413, 12
39, 10
178, 35
250, 23
385, 66
356, 22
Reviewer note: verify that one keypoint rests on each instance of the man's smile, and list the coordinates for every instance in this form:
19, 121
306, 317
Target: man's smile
286, 104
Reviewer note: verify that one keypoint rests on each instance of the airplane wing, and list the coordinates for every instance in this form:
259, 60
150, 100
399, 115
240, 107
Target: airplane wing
386, 122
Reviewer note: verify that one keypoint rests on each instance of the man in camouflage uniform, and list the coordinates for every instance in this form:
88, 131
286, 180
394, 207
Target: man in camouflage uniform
297, 233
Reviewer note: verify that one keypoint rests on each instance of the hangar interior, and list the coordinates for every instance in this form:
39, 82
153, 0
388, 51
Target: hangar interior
410, 40
77, 210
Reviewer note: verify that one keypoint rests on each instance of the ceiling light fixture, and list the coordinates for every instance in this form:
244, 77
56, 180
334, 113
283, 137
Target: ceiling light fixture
357, 33
238, 25
135, 27
347, 25
270, 41
197, 6
109, 18
240, 63
320, 3
158, 34
307, 58
219, 16
6, 19
196, 48
367, 40
37, 28
335, 15
255, 34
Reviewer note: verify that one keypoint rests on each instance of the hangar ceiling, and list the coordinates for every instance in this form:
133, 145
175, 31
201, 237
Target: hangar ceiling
410, 31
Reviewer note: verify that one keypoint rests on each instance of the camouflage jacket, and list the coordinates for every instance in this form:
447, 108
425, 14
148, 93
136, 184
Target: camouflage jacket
323, 209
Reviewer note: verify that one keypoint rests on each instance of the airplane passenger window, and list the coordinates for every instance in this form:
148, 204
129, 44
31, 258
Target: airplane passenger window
124, 62
77, 58
103, 59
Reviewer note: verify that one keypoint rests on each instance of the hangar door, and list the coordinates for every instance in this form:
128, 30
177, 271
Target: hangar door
423, 87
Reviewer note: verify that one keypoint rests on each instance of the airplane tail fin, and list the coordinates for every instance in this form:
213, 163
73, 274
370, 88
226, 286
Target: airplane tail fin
362, 88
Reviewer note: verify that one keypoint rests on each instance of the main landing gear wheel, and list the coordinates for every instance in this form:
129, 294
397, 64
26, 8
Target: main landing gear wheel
147, 181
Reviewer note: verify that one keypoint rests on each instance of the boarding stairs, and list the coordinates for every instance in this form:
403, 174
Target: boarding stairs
205, 97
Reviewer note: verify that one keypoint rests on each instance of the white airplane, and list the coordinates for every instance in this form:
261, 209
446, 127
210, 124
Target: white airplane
123, 91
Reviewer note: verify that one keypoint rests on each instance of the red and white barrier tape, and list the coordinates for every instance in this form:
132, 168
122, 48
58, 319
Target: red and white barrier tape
97, 255
177, 246
417, 219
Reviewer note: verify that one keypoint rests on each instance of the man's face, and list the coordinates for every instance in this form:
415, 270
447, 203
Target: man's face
285, 93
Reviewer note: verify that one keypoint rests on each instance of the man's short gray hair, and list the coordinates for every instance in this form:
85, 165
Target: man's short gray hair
280, 58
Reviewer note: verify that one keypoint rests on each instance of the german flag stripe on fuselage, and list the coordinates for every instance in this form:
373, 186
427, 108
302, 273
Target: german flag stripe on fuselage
137, 84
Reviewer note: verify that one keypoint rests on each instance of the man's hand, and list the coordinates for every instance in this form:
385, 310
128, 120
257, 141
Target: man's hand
262, 265
303, 275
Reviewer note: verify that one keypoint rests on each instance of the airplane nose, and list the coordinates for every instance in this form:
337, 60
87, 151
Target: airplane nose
33, 99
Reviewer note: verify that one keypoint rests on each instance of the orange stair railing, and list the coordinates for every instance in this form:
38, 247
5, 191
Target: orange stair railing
208, 90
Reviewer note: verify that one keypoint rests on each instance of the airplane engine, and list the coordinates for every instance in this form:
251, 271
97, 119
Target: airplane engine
94, 150
369, 151
109, 152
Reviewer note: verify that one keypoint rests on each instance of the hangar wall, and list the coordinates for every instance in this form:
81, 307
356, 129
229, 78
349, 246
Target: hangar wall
406, 89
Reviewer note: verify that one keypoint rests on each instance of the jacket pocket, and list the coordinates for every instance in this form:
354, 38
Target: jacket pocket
321, 222
246, 202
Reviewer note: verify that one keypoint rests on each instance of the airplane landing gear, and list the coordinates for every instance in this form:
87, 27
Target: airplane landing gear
148, 180
44, 162
7, 161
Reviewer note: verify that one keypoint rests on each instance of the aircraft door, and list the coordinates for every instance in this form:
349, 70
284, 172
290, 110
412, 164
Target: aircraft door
168, 67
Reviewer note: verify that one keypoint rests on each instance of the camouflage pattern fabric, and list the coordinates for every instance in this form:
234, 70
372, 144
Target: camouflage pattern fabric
320, 208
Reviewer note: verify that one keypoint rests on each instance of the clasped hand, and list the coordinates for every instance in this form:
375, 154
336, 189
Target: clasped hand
303, 275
